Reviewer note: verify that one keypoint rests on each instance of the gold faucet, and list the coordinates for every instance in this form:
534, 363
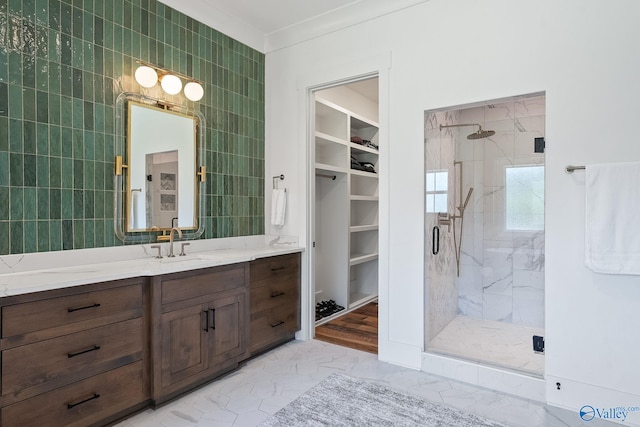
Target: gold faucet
171, 255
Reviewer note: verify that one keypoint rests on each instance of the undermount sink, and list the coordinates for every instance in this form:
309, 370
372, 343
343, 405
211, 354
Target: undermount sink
187, 258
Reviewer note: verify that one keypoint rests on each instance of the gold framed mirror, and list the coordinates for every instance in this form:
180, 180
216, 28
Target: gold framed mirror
159, 179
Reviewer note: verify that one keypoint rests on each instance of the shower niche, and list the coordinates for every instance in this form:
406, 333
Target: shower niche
484, 209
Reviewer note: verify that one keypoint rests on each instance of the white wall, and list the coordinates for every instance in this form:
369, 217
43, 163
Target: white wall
583, 55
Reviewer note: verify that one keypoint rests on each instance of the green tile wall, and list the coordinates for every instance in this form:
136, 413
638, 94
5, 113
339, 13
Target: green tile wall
62, 66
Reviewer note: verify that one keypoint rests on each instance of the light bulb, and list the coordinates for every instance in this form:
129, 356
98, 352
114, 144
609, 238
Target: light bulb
193, 91
171, 84
146, 76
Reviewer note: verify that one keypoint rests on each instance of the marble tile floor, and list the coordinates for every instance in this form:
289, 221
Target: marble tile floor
269, 382
495, 343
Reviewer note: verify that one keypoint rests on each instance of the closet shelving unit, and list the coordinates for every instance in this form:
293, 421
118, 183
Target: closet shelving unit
346, 208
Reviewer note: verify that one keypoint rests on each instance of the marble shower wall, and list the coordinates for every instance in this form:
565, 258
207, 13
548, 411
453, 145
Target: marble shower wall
441, 292
502, 270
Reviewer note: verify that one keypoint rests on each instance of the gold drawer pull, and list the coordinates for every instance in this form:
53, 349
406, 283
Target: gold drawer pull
71, 310
273, 325
94, 348
88, 399
275, 294
277, 268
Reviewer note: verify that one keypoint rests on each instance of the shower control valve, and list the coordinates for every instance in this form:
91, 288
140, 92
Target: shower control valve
444, 219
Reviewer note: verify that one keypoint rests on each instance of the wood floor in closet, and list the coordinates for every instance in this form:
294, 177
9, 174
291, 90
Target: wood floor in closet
357, 329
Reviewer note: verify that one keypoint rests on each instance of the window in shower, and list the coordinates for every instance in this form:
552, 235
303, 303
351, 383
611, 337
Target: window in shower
525, 198
437, 183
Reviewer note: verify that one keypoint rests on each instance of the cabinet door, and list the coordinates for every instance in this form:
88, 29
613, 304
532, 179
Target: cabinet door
229, 327
185, 343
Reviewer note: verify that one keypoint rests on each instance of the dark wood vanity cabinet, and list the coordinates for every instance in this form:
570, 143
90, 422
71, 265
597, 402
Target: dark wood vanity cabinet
200, 327
275, 301
74, 357
89, 355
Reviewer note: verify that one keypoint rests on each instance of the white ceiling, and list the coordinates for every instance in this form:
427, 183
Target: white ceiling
268, 25
270, 16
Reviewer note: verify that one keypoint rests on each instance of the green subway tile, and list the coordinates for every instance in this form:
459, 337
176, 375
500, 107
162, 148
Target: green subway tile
54, 78
88, 116
67, 142
87, 56
77, 113
77, 53
54, 109
55, 148
89, 233
66, 111
55, 172
28, 104
99, 234
43, 236
30, 237
67, 173
16, 178
16, 202
67, 234
4, 238
88, 202
55, 235
55, 203
30, 168
42, 107
78, 144
16, 237
43, 203
66, 201
15, 136
88, 26
4, 134
77, 21
66, 80
42, 163
15, 102
30, 203
54, 48
78, 234
89, 171
4, 207
29, 137
42, 137
42, 41
29, 70
42, 74
78, 174
98, 205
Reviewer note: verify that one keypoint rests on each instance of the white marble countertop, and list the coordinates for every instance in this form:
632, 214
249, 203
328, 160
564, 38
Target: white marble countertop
21, 274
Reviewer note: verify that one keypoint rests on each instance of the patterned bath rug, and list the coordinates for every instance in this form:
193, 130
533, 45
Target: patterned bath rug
342, 401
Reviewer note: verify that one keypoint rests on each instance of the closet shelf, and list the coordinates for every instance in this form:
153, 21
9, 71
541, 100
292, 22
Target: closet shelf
359, 298
321, 167
324, 138
362, 258
365, 174
356, 197
362, 148
360, 228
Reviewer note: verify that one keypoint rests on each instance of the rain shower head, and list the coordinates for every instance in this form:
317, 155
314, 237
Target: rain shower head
479, 134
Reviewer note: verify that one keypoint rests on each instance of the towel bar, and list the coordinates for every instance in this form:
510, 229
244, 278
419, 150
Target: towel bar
275, 180
571, 168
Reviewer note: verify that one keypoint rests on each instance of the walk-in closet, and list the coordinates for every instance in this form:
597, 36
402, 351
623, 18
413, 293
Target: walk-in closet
346, 166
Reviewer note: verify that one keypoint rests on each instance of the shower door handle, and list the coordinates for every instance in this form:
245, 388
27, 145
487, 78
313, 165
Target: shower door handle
435, 240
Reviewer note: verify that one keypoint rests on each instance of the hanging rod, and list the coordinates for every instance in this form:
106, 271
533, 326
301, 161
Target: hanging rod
571, 168
333, 177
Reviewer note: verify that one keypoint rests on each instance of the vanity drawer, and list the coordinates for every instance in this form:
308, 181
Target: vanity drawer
41, 366
274, 268
279, 293
83, 403
88, 309
202, 283
272, 326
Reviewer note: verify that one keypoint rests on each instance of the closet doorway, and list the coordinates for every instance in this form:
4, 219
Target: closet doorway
345, 150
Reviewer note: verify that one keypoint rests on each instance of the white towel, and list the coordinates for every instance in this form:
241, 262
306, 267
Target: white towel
612, 228
278, 206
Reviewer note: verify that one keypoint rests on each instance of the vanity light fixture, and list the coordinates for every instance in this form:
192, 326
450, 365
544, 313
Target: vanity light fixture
171, 84
148, 75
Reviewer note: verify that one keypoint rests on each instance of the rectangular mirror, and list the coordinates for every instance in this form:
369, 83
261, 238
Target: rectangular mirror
158, 180
161, 184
